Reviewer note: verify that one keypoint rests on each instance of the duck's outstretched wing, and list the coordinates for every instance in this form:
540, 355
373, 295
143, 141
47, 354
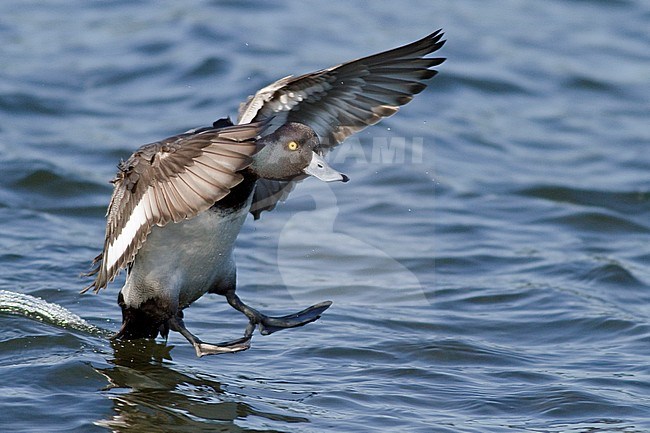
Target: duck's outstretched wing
170, 180
337, 102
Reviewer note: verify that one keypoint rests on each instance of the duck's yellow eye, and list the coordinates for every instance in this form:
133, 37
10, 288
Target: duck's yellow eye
292, 145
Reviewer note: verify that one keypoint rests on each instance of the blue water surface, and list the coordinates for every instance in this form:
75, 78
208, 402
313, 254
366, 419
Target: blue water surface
487, 262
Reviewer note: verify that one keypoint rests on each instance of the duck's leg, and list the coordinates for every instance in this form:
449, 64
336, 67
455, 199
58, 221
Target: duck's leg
269, 324
176, 324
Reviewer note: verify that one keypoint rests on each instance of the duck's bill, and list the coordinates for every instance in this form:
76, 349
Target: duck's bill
321, 170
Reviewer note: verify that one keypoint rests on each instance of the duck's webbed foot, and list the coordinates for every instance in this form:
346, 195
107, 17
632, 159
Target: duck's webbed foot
202, 349
269, 324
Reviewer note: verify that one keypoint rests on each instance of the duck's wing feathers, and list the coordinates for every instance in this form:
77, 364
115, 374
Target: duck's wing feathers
269, 192
170, 180
344, 99
337, 102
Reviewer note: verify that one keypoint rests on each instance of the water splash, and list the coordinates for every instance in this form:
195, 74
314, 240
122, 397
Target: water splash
47, 312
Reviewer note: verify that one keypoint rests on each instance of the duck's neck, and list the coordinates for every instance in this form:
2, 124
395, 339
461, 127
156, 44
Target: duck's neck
262, 164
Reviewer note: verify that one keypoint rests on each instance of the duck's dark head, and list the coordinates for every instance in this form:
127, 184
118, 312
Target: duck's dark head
289, 152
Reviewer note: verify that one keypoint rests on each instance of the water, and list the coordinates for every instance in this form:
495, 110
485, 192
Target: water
496, 281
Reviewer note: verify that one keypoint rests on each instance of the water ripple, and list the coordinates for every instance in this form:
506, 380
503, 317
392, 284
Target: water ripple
624, 202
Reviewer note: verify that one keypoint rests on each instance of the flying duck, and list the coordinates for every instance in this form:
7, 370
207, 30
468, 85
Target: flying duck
178, 204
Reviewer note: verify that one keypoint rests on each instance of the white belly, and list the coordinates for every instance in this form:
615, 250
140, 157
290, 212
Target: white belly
180, 262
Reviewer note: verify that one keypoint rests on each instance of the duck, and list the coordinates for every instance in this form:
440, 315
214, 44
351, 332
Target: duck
178, 204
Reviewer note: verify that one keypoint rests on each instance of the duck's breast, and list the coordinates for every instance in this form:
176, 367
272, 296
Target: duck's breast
180, 262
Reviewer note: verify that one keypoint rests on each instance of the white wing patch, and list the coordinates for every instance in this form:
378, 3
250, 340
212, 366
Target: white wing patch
137, 219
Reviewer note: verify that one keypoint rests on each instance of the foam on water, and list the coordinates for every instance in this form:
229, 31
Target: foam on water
47, 312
